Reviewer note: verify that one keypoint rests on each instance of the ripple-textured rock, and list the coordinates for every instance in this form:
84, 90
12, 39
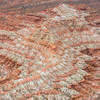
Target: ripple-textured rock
53, 54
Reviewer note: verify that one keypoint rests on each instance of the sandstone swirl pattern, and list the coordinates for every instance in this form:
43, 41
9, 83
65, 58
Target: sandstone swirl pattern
56, 57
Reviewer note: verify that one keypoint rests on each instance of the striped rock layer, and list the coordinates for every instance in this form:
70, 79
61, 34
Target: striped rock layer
56, 56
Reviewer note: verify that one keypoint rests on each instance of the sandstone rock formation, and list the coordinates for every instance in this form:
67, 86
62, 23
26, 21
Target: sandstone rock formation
50, 55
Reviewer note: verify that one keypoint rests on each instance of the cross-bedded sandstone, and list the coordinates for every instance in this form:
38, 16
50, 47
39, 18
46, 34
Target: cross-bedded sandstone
53, 54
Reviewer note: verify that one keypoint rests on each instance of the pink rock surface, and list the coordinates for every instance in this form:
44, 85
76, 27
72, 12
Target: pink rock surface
52, 54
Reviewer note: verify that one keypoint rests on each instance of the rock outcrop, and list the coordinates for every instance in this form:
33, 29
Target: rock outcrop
50, 55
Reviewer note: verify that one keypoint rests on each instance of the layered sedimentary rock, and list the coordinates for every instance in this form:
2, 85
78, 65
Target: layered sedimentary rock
50, 55
22, 6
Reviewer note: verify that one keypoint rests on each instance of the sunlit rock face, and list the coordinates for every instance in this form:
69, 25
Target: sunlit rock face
50, 55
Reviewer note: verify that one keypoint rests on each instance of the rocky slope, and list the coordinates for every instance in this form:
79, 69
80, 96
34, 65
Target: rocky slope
50, 55
38, 5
